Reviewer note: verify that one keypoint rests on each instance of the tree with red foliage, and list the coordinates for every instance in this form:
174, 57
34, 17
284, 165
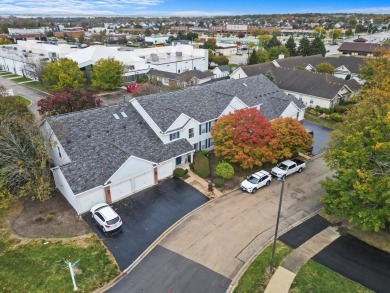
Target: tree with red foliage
69, 100
292, 137
245, 137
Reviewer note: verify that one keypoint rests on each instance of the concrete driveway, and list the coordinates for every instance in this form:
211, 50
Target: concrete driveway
346, 255
207, 250
321, 135
146, 215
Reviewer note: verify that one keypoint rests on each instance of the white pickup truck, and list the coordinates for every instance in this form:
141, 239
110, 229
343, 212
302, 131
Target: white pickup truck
288, 167
255, 181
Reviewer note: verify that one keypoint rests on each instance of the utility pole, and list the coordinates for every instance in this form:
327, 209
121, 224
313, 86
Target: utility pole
272, 262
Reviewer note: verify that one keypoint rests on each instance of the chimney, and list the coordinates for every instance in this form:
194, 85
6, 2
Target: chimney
281, 56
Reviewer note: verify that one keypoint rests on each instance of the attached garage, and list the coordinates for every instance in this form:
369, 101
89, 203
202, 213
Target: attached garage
121, 190
165, 169
144, 181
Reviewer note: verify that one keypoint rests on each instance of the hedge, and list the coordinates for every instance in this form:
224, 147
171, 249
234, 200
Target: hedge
179, 172
201, 165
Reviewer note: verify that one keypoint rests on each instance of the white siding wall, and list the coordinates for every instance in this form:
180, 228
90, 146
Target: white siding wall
235, 104
323, 103
63, 186
57, 149
132, 166
11, 65
293, 112
238, 73
89, 198
166, 169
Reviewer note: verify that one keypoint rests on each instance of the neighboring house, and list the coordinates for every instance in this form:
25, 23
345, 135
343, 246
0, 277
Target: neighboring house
313, 89
187, 78
362, 49
221, 71
108, 153
344, 65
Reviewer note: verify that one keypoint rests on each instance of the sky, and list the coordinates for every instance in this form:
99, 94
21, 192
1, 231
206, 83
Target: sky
187, 7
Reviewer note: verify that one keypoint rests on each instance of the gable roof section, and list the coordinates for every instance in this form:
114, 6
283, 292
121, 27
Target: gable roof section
98, 144
207, 102
223, 68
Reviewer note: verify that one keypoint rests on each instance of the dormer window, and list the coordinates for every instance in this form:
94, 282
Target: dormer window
174, 136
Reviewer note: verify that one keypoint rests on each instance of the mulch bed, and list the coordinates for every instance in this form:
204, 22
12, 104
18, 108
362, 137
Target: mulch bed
52, 218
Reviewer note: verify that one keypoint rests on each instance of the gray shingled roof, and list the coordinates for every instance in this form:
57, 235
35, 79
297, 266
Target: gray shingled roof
362, 47
207, 102
98, 144
306, 82
350, 62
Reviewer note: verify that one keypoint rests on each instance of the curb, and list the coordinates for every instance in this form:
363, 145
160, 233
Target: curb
242, 270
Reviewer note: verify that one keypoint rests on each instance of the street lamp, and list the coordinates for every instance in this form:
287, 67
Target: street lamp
272, 262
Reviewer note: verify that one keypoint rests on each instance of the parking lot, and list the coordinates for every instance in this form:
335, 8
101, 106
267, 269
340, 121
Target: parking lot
146, 215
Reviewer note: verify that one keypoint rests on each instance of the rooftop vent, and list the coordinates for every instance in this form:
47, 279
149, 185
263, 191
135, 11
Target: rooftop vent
244, 84
124, 114
179, 54
116, 116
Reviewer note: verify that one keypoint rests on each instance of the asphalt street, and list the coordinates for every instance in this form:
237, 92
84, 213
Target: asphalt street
300, 234
220, 238
24, 91
145, 216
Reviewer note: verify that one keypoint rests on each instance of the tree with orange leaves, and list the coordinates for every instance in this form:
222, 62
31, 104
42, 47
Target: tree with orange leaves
292, 137
245, 137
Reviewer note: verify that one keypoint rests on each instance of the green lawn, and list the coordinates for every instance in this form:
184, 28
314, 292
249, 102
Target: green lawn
314, 277
21, 79
12, 75
23, 100
256, 277
327, 123
37, 86
30, 265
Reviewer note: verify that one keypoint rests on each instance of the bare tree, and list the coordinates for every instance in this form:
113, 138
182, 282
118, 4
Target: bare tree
34, 68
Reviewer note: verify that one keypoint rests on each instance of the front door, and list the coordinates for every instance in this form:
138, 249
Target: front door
178, 161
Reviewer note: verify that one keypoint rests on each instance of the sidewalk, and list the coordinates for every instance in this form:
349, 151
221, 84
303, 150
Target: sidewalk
286, 272
201, 185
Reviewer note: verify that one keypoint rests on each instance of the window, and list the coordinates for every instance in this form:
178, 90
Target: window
173, 136
204, 144
204, 128
190, 133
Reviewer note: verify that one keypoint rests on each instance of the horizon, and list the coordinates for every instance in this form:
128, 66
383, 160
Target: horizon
177, 8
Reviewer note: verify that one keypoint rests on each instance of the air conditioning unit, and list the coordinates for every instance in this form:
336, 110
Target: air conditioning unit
179, 54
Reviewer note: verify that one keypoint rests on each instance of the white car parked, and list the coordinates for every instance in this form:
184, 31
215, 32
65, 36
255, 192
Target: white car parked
106, 218
255, 181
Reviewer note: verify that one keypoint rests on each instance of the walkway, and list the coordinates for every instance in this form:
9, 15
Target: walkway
286, 272
201, 185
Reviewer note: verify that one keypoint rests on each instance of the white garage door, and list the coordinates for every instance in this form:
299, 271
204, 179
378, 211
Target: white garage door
144, 181
88, 199
120, 190
165, 170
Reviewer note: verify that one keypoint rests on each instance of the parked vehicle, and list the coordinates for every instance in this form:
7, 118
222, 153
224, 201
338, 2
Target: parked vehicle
106, 218
288, 167
255, 181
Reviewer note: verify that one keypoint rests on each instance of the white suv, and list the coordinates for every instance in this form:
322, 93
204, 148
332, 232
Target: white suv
106, 218
255, 181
